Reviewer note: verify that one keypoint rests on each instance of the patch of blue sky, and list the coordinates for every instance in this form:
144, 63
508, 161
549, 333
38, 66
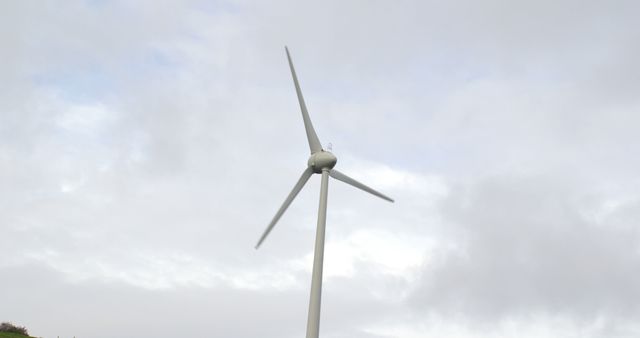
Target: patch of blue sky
93, 82
81, 84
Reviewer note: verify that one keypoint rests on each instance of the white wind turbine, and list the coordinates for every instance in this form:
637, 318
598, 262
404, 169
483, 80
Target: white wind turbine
320, 162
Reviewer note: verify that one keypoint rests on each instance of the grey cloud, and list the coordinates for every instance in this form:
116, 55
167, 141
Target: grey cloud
531, 246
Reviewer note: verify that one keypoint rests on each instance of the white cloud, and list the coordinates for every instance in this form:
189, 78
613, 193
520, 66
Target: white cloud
385, 251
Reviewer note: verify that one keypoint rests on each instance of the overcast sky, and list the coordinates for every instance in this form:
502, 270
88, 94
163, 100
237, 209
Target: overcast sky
145, 145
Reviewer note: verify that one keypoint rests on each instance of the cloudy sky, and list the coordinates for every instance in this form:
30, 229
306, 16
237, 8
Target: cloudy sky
145, 145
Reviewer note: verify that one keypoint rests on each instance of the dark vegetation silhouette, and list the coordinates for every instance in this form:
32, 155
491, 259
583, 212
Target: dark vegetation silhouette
11, 328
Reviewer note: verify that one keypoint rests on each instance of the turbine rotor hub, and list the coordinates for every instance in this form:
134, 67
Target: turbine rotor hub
322, 160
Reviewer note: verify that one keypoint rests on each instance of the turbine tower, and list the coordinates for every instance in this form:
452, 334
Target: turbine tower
320, 162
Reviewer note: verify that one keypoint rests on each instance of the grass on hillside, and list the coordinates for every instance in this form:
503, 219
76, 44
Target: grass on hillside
11, 335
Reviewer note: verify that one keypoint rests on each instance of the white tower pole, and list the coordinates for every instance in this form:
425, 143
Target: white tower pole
313, 321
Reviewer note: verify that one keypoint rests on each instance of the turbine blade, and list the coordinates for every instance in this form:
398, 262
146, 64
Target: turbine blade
296, 189
312, 137
346, 179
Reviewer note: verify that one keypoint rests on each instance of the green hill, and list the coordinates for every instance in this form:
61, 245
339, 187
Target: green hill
12, 335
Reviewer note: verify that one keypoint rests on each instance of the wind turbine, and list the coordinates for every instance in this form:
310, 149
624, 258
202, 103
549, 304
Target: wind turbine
320, 162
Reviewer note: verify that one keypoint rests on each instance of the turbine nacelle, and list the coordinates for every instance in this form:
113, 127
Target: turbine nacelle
322, 160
